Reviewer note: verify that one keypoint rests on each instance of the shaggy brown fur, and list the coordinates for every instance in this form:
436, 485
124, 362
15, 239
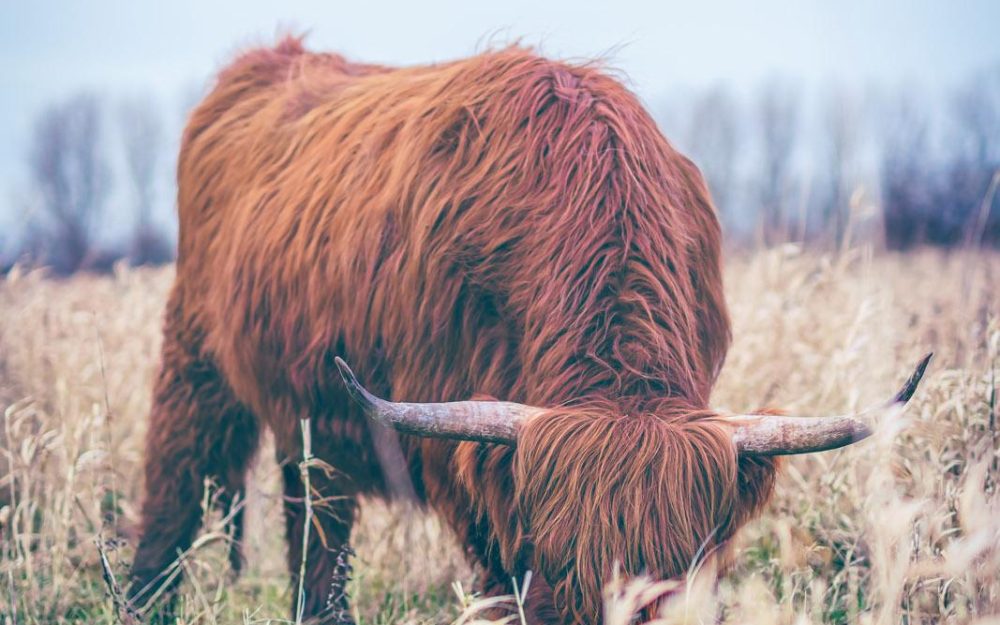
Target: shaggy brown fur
503, 225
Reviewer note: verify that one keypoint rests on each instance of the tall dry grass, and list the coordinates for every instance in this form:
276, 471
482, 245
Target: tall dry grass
901, 529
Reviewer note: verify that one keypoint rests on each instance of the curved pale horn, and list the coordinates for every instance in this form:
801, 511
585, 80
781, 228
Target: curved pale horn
771, 435
481, 421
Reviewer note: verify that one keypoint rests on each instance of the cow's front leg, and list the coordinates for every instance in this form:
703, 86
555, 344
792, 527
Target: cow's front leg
539, 607
325, 561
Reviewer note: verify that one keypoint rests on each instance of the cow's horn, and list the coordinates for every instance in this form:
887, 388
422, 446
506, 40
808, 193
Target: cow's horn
771, 435
481, 421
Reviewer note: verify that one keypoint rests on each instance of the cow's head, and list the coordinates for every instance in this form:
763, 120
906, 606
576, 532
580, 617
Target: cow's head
655, 493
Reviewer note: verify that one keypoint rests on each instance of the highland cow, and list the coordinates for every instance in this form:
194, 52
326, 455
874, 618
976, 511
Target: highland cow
505, 227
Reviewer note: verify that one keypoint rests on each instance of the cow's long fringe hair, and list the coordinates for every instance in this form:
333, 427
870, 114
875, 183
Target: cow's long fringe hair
502, 226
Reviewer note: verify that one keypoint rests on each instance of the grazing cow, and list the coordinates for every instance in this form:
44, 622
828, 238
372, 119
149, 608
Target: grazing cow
503, 226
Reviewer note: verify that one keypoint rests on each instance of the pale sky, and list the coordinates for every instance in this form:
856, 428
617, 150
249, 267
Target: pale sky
50, 49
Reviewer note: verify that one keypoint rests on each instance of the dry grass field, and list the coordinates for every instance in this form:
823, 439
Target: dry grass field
904, 528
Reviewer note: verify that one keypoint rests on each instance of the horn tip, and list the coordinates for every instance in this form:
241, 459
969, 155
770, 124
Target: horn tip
910, 387
353, 386
345, 371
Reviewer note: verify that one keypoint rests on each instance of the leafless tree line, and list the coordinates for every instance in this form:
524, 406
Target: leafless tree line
781, 168
72, 176
917, 170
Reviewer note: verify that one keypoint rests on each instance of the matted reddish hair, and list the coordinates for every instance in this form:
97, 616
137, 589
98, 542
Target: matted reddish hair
505, 226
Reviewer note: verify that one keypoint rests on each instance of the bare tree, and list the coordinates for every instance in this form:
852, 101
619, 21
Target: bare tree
947, 196
974, 171
713, 140
976, 112
142, 136
842, 134
778, 119
907, 173
71, 174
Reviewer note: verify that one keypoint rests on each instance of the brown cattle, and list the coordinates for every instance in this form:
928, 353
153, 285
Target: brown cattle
504, 226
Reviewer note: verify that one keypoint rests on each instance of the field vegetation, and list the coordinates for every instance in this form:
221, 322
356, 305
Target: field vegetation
904, 528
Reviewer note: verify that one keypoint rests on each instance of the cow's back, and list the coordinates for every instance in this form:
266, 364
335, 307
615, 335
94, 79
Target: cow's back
452, 230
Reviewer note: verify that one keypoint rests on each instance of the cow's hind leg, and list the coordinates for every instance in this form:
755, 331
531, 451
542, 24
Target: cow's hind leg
197, 430
232, 503
325, 562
